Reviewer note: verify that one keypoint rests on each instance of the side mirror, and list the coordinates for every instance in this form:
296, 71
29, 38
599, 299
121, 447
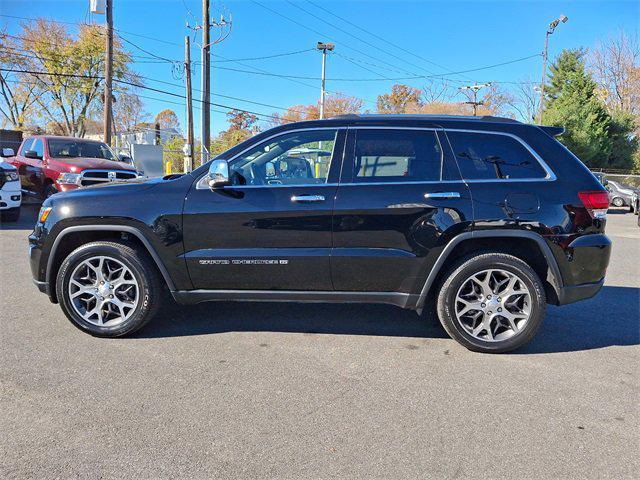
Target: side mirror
32, 154
8, 152
125, 158
218, 174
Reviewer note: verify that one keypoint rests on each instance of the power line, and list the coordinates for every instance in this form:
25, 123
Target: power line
377, 36
125, 82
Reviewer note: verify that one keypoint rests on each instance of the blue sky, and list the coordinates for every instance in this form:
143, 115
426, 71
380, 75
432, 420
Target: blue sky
457, 35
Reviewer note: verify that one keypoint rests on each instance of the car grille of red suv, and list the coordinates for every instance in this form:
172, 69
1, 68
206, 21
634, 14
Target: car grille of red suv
93, 177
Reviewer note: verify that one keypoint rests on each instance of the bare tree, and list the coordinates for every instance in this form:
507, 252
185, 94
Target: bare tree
525, 100
615, 66
18, 92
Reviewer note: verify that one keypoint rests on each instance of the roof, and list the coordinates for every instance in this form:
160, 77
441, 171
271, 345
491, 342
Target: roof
425, 118
62, 137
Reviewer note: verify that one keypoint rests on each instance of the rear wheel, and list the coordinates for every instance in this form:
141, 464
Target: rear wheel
491, 302
618, 202
108, 289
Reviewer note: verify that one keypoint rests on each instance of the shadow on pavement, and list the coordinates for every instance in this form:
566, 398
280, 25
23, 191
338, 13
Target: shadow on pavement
28, 216
333, 319
609, 319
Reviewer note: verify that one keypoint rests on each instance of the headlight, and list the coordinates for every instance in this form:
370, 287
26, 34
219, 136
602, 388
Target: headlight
11, 176
70, 178
43, 214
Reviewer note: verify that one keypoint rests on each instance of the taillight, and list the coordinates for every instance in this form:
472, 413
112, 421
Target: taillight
596, 202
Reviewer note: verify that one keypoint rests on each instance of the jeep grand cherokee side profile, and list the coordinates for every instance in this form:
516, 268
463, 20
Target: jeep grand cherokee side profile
483, 220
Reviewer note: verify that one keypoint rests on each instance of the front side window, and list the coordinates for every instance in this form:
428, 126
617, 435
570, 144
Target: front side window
64, 148
38, 147
26, 145
484, 156
297, 158
386, 155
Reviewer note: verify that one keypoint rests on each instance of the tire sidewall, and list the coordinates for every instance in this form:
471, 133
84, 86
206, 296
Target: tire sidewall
618, 202
526, 274
83, 253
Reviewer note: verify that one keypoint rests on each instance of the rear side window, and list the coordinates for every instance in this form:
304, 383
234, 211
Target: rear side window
483, 156
385, 155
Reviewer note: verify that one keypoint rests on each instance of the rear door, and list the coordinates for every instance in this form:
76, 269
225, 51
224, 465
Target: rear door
400, 200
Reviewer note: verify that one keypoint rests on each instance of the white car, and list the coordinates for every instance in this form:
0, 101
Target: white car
10, 191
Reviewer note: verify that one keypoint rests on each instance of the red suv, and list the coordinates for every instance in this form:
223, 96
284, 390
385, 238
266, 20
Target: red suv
49, 164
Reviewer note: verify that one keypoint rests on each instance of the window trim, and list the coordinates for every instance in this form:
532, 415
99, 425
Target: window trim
202, 185
549, 177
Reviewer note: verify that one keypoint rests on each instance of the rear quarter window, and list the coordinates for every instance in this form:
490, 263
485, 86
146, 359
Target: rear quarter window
490, 156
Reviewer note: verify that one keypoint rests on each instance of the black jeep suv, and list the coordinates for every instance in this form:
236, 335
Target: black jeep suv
481, 220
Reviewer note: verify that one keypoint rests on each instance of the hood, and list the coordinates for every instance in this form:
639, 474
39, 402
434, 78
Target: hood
84, 163
6, 165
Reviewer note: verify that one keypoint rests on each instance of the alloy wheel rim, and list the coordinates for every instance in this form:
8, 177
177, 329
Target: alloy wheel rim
103, 291
493, 305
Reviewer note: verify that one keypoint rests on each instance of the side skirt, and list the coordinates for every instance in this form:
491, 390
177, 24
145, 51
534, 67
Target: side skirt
191, 297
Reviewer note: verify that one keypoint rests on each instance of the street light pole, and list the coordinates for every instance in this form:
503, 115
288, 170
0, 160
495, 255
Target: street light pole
545, 53
323, 47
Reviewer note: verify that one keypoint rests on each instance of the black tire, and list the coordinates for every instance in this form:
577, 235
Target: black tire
142, 268
49, 190
463, 270
10, 215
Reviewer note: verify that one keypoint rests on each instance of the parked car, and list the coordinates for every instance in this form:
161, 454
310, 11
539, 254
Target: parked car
483, 220
620, 195
49, 164
10, 195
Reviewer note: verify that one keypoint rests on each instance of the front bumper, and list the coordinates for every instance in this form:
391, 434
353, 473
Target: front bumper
10, 196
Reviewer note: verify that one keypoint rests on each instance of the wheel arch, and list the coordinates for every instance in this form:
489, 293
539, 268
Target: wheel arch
96, 233
502, 241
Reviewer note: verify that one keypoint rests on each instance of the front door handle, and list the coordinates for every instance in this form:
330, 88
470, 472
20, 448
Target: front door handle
307, 198
442, 195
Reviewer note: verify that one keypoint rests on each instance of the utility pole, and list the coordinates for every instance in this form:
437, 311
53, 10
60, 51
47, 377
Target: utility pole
323, 47
187, 68
475, 88
205, 126
206, 82
108, 74
550, 30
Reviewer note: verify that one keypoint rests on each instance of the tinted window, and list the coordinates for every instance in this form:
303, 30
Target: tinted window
492, 156
38, 147
297, 158
63, 148
396, 156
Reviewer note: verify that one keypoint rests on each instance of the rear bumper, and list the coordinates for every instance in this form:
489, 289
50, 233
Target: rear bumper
575, 293
583, 266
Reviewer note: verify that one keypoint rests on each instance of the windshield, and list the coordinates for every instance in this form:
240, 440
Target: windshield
67, 148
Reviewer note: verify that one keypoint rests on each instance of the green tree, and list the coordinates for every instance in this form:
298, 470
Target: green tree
572, 102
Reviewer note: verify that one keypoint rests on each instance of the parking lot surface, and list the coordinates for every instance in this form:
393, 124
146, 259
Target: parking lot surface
259, 390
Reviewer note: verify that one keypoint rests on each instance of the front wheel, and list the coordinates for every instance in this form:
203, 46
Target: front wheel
108, 289
491, 302
618, 202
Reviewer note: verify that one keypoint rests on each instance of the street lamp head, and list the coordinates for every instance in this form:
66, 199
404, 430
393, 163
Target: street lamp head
563, 18
325, 46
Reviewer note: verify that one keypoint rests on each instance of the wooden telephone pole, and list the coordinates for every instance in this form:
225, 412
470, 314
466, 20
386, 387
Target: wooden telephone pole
108, 76
187, 68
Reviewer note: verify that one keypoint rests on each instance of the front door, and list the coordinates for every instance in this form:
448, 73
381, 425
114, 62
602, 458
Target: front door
271, 229
399, 201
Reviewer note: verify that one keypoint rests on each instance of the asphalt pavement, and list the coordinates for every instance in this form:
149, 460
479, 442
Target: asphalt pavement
294, 391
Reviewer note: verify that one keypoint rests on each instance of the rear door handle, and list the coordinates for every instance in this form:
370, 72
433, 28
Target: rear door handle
441, 195
307, 198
